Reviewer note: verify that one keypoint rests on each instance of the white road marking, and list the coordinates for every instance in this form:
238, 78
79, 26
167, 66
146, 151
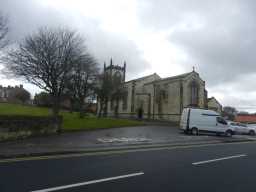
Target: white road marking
88, 182
219, 159
123, 139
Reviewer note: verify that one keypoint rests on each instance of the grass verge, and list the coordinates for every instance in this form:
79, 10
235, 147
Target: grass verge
71, 121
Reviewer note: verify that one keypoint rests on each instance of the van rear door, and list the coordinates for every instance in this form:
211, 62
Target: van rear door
184, 119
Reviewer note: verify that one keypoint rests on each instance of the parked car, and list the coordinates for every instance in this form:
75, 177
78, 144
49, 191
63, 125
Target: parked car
194, 120
240, 128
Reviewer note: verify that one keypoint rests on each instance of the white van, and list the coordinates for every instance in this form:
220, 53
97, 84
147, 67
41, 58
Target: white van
195, 120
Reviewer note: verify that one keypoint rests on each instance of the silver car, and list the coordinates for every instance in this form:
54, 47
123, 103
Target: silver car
241, 128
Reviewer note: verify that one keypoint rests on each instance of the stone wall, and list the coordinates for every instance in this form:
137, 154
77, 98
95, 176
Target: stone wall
138, 86
160, 100
16, 127
214, 105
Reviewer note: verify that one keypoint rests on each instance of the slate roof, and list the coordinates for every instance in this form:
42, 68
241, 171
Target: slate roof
141, 78
182, 76
213, 98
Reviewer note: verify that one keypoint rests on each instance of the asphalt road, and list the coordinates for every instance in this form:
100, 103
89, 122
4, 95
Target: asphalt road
226, 167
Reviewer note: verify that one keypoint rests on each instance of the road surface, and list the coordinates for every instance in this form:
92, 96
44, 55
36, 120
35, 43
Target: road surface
220, 167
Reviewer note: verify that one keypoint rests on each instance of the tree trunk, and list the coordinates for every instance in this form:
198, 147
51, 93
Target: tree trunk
56, 106
81, 109
100, 108
55, 112
71, 107
105, 107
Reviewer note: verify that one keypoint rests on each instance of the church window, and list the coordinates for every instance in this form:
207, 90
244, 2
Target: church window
194, 93
165, 92
125, 100
165, 95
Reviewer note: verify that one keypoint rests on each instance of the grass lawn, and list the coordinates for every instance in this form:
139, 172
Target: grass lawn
71, 121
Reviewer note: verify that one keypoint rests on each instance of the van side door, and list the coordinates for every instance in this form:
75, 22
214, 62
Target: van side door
221, 124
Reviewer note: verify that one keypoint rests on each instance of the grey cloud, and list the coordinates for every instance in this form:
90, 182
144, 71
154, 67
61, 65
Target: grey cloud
120, 49
27, 16
162, 14
223, 45
239, 93
221, 53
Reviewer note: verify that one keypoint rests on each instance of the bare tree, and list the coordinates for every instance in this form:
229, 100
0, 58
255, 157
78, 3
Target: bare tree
22, 95
103, 91
3, 31
109, 88
45, 59
42, 99
229, 112
83, 81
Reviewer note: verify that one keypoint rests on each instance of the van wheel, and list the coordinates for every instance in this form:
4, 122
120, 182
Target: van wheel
251, 132
194, 131
228, 133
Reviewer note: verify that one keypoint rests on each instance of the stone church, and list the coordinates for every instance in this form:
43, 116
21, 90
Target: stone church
153, 97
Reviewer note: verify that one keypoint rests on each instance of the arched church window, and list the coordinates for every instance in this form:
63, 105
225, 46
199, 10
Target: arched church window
125, 97
194, 93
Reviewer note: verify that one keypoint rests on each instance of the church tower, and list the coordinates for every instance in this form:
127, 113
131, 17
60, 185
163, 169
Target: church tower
115, 70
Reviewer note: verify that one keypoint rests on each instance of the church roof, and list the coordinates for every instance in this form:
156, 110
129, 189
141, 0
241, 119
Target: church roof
178, 76
213, 98
141, 78
182, 76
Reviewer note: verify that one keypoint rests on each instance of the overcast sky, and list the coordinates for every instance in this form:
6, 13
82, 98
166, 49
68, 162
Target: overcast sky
163, 36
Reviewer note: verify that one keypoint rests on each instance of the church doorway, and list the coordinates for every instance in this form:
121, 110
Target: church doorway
140, 113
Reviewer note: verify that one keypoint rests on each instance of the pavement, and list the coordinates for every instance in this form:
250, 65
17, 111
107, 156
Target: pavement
223, 167
109, 139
